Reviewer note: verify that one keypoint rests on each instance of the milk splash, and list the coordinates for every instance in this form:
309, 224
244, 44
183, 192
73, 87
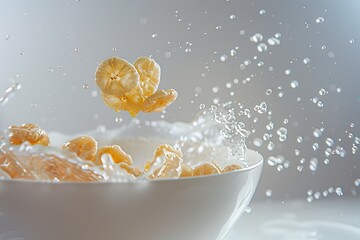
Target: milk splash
215, 135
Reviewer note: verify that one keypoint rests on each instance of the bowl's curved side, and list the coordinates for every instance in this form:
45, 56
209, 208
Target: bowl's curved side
194, 208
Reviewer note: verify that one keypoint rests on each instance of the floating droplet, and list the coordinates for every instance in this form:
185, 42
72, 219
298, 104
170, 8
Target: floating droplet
306, 60
320, 20
256, 38
294, 84
262, 47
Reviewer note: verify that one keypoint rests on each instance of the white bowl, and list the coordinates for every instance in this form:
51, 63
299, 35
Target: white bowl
191, 208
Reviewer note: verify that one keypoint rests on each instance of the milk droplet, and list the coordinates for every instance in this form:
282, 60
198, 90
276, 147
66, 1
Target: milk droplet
357, 182
294, 84
118, 119
223, 58
317, 133
262, 47
268, 193
262, 12
257, 37
320, 20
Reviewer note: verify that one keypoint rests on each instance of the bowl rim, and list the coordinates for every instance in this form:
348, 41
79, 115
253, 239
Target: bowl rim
258, 163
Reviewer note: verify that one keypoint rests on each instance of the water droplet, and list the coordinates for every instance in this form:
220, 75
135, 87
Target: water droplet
357, 182
256, 38
281, 131
278, 35
154, 35
322, 92
247, 209
218, 27
313, 164
340, 151
288, 71
215, 89
339, 191
77, 49
223, 58
257, 142
306, 60
320, 104
262, 47
85, 86
262, 12
315, 146
273, 41
299, 139
320, 20
232, 17
202, 106
118, 119
242, 32
232, 52
268, 91
271, 146
282, 138
317, 133
272, 161
187, 50
294, 84
94, 93
352, 41
268, 193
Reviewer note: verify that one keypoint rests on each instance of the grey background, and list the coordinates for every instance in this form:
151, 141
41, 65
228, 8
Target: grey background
52, 49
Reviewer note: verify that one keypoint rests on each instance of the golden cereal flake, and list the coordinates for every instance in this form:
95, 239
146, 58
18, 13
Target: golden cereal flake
206, 169
149, 72
231, 167
130, 102
159, 100
84, 147
117, 154
186, 171
116, 76
172, 161
30, 133
135, 171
